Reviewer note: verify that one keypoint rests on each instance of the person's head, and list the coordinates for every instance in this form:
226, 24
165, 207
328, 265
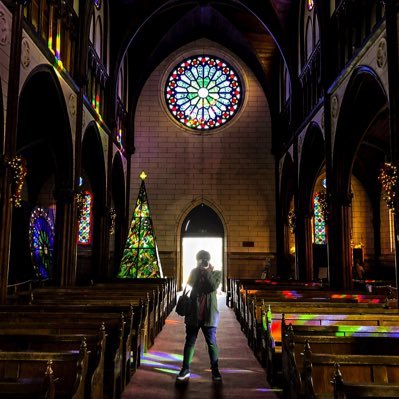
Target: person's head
203, 258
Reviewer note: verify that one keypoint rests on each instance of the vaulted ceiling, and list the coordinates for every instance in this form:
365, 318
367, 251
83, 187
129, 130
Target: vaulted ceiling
257, 31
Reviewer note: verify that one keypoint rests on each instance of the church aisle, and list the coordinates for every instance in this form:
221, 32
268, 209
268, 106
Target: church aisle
243, 377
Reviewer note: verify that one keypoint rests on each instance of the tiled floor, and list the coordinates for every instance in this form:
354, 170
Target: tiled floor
242, 375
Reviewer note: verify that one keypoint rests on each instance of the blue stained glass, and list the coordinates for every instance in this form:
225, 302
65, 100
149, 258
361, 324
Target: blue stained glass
200, 85
41, 237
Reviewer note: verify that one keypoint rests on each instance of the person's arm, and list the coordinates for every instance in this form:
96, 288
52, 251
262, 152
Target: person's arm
191, 278
212, 279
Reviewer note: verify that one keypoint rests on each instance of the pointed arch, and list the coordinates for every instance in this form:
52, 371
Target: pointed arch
98, 38
118, 203
287, 201
44, 140
361, 146
309, 43
356, 115
312, 158
90, 258
311, 161
219, 226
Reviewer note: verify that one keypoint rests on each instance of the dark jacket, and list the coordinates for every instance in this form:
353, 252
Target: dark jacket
210, 282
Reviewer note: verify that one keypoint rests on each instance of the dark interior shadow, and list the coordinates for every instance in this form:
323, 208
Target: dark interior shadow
217, 390
181, 391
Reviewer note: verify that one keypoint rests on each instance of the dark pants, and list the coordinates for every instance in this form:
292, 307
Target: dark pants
189, 346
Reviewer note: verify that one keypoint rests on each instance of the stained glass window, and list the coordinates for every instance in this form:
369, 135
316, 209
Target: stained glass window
203, 92
319, 220
97, 3
310, 5
85, 219
119, 138
41, 239
140, 258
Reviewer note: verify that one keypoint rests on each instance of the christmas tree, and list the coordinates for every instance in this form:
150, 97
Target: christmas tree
140, 258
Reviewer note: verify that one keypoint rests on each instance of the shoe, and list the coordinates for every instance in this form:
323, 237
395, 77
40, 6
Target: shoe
216, 376
184, 375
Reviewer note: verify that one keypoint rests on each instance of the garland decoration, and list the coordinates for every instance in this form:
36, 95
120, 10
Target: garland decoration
323, 204
112, 220
292, 220
19, 170
388, 178
80, 202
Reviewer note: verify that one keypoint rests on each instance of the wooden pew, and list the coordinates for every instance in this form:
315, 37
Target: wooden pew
318, 371
30, 374
114, 356
256, 324
95, 344
297, 373
357, 390
329, 323
76, 295
38, 388
134, 317
252, 300
167, 287
113, 295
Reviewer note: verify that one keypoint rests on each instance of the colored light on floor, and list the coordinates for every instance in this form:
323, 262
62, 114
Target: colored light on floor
164, 356
236, 371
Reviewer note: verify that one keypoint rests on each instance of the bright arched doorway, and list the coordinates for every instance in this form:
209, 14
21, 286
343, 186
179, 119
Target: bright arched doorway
201, 229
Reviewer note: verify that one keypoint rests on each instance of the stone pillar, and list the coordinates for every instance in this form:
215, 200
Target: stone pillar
303, 245
339, 244
280, 227
108, 268
391, 15
10, 146
65, 237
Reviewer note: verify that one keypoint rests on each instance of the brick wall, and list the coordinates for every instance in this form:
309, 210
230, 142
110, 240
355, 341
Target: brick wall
362, 226
230, 169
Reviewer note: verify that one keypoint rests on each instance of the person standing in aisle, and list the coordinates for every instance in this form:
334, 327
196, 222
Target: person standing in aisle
204, 315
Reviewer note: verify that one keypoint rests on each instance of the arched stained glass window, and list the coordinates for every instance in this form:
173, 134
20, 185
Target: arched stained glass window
310, 4
85, 219
97, 3
319, 220
41, 238
203, 92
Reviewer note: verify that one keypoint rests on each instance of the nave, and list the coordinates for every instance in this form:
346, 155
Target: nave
243, 377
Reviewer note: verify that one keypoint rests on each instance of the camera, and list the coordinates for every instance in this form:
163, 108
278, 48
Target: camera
204, 263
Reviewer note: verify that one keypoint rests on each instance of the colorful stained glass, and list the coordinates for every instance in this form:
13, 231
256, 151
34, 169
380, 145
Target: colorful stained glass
85, 220
203, 92
319, 221
97, 3
41, 240
140, 258
119, 138
310, 5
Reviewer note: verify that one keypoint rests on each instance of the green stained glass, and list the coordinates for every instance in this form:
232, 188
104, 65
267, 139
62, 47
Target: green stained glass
140, 258
319, 222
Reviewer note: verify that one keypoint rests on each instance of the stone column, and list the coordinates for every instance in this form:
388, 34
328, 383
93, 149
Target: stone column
303, 245
10, 146
339, 244
65, 237
391, 15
